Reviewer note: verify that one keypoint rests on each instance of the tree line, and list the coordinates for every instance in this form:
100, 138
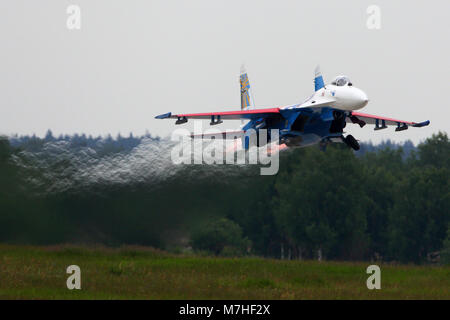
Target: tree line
383, 203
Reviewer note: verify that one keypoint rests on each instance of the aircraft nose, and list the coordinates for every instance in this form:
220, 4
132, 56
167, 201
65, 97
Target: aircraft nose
362, 98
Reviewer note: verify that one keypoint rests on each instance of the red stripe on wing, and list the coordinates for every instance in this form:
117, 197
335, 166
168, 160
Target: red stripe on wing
227, 113
365, 115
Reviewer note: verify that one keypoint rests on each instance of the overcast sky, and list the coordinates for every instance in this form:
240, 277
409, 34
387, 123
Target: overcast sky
132, 60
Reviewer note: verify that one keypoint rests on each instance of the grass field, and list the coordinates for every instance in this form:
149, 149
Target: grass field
142, 273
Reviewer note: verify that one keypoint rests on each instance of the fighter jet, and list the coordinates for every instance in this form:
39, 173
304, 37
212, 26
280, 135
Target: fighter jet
320, 119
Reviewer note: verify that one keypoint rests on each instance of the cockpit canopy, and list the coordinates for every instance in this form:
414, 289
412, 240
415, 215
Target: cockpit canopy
341, 81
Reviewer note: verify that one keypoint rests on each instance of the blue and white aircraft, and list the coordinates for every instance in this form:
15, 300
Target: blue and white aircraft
319, 119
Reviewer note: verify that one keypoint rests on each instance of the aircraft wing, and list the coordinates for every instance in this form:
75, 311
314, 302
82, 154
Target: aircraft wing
220, 135
217, 117
382, 122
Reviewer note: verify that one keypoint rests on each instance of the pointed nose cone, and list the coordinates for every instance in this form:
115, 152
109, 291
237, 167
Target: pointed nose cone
363, 100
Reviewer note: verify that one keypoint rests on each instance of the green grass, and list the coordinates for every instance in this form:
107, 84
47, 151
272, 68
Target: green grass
143, 273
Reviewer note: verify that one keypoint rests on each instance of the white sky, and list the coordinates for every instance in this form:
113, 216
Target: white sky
133, 60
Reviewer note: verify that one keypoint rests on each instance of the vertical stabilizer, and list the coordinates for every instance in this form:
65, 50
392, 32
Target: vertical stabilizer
318, 79
246, 95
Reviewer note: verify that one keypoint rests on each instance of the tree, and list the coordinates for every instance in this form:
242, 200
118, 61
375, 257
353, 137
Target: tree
221, 236
419, 216
320, 205
49, 136
435, 151
445, 252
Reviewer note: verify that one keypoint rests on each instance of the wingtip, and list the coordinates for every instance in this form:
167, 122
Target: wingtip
164, 116
421, 124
